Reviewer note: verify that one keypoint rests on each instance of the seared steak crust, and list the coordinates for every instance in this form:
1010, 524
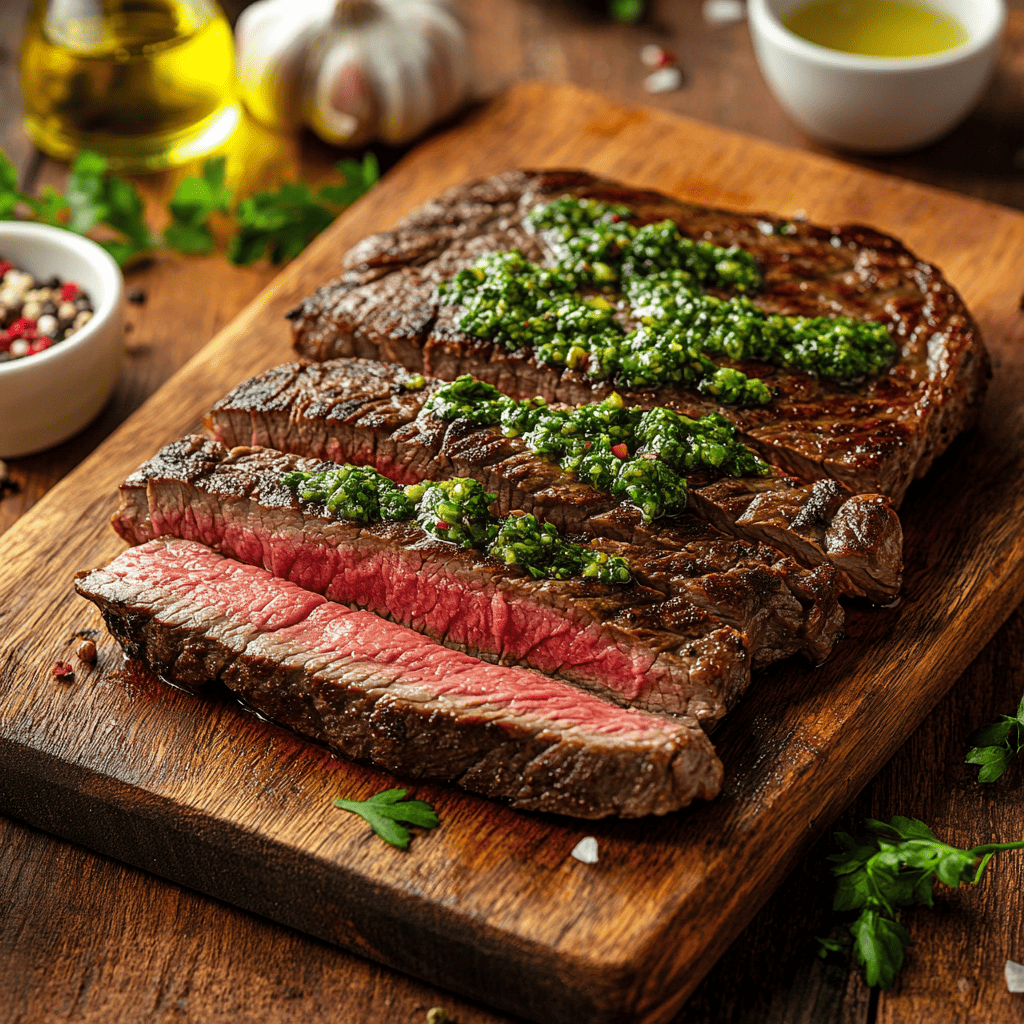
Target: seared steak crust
681, 638
874, 438
332, 675
360, 411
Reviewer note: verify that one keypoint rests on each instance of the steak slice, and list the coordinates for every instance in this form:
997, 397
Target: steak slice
680, 638
874, 438
379, 693
360, 411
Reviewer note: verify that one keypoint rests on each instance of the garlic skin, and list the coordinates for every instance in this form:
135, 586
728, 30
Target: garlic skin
352, 70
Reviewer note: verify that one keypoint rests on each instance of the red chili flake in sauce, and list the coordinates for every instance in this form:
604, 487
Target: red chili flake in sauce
68, 292
615, 218
63, 669
442, 525
620, 450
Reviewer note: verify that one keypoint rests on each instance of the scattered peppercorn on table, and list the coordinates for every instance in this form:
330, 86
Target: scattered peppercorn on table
83, 937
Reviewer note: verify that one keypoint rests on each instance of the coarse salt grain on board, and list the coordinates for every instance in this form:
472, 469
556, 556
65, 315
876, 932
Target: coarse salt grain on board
585, 850
724, 12
1014, 976
665, 80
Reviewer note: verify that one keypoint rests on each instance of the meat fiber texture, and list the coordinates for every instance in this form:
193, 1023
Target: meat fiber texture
874, 438
379, 693
362, 412
681, 638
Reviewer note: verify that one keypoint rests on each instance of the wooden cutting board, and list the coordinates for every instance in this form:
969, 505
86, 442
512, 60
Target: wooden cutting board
491, 903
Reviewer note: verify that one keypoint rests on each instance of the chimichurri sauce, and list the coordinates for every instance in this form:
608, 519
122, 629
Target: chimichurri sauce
566, 315
458, 511
644, 456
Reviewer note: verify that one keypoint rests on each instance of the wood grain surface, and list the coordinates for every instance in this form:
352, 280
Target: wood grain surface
495, 906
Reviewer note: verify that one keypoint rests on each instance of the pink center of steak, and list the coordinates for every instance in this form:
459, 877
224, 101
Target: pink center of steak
418, 590
251, 595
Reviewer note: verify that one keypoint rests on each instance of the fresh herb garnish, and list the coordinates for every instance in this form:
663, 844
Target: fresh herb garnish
384, 811
93, 198
895, 866
996, 745
281, 222
285, 221
194, 202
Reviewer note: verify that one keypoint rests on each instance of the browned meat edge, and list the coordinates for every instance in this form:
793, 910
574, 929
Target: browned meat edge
874, 438
681, 638
360, 411
527, 741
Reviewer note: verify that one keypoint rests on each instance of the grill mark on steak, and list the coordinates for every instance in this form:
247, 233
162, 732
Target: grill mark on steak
359, 411
874, 438
379, 693
681, 638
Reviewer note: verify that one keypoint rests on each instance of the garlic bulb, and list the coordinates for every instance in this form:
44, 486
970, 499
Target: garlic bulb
352, 70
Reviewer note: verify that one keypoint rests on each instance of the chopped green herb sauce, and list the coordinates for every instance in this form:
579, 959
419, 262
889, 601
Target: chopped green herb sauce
659, 273
458, 511
630, 453
352, 492
539, 549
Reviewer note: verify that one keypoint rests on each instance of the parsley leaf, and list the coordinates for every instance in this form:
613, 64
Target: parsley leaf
10, 195
49, 208
280, 223
195, 200
996, 745
383, 811
895, 866
95, 197
286, 221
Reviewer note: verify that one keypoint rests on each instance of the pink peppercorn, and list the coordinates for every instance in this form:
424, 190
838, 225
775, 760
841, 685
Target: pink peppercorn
69, 292
63, 669
20, 326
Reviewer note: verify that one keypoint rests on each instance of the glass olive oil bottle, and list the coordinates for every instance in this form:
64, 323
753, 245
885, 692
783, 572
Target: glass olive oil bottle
877, 28
147, 83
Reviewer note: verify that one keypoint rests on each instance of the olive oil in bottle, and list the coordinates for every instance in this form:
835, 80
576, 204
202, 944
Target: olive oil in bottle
877, 28
147, 83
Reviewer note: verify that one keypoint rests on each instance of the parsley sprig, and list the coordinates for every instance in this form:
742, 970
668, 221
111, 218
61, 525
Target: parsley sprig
286, 221
384, 811
996, 745
194, 202
895, 866
280, 223
92, 198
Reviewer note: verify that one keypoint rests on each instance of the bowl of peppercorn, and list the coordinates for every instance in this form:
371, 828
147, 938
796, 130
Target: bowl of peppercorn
61, 334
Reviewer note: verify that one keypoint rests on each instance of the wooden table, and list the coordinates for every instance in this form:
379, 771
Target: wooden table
84, 938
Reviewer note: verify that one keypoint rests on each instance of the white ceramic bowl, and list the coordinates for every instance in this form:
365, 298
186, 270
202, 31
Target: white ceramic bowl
876, 104
48, 397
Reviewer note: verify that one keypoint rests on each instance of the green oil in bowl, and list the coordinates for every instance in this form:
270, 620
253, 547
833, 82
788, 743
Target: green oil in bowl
877, 28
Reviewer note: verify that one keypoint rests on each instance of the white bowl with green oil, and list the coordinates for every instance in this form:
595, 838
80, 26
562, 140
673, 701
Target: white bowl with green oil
147, 83
877, 76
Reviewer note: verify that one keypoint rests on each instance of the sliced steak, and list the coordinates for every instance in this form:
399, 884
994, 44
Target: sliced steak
680, 638
874, 438
360, 411
379, 693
